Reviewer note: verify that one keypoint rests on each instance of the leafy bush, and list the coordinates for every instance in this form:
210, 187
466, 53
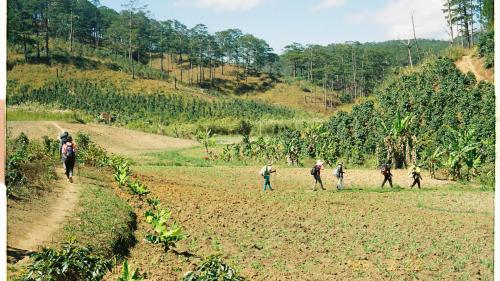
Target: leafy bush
487, 48
213, 269
70, 263
138, 188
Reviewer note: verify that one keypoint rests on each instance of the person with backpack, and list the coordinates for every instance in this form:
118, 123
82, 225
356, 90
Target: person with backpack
316, 172
266, 173
386, 172
339, 174
69, 155
63, 138
415, 175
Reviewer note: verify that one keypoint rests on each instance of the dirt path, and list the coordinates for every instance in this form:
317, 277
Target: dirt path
40, 226
114, 139
474, 65
39, 230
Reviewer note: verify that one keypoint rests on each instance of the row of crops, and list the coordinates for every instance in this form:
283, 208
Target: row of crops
93, 98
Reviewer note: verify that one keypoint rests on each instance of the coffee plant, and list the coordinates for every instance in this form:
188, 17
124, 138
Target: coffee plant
72, 262
213, 268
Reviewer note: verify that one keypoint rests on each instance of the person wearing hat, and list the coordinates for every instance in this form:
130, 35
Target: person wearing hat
339, 174
266, 173
414, 173
317, 174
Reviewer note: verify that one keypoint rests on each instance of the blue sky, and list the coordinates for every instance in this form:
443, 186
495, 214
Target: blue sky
281, 22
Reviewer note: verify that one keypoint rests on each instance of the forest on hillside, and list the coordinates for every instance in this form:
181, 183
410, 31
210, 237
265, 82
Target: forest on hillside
44, 30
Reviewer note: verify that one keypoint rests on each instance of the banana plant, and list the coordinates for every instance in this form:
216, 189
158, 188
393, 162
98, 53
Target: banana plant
163, 234
128, 275
397, 138
461, 148
138, 188
122, 175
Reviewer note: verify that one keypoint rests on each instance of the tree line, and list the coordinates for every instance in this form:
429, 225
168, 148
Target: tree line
468, 19
433, 115
134, 34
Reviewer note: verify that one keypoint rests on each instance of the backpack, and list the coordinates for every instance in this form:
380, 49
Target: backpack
70, 152
385, 170
336, 172
264, 171
313, 171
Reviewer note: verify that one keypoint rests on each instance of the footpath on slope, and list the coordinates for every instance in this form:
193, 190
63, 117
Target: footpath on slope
41, 222
475, 65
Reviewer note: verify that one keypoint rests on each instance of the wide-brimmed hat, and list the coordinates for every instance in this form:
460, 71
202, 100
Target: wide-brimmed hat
340, 163
319, 162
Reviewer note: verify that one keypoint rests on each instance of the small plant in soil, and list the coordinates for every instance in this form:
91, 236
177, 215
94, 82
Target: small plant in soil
163, 234
213, 268
128, 275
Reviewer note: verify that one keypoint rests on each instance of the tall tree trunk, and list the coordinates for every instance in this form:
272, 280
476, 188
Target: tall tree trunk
450, 23
472, 22
161, 62
415, 38
466, 24
25, 48
409, 54
130, 36
47, 51
71, 31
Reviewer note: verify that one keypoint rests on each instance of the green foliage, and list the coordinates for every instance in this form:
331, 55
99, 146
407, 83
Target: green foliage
163, 234
486, 48
138, 188
121, 170
417, 116
128, 275
213, 269
206, 138
27, 160
70, 263
145, 110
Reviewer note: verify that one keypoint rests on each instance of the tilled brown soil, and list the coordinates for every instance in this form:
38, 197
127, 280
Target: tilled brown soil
292, 233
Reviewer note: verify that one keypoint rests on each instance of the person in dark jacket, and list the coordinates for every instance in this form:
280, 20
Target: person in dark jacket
386, 172
69, 156
63, 138
317, 174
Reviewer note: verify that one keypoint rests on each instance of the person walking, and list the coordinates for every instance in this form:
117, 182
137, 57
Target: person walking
316, 172
415, 175
63, 138
266, 173
339, 174
69, 155
386, 172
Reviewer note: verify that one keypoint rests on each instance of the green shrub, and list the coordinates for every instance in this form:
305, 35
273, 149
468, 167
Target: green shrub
486, 48
70, 263
213, 269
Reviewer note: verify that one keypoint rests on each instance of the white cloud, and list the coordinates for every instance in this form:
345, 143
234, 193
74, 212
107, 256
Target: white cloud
395, 18
221, 5
326, 4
